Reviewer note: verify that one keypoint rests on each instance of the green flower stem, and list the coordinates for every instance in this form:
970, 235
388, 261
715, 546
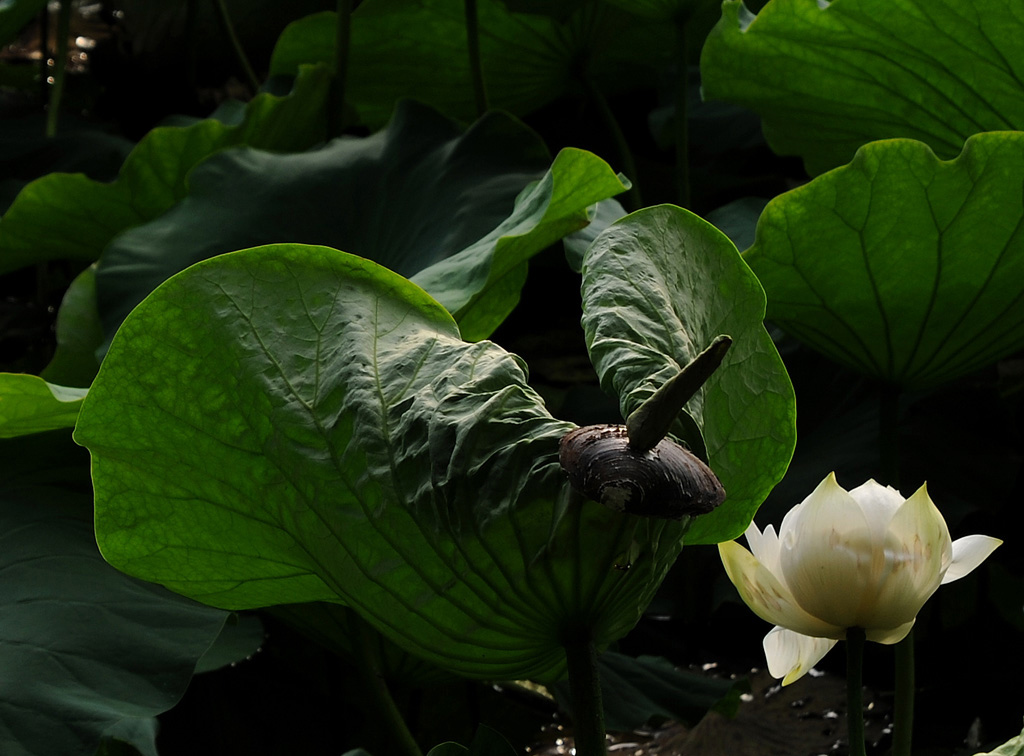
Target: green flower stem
376, 690
621, 143
236, 46
60, 64
888, 435
342, 35
854, 689
681, 127
585, 690
903, 714
475, 67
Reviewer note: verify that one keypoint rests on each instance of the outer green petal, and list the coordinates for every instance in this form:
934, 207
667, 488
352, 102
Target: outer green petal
791, 655
767, 596
968, 553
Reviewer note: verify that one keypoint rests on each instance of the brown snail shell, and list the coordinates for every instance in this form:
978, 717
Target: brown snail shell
666, 481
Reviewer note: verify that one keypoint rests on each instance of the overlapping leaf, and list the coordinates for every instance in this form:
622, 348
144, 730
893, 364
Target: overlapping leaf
900, 265
421, 197
418, 48
71, 217
293, 423
829, 77
87, 652
28, 404
658, 287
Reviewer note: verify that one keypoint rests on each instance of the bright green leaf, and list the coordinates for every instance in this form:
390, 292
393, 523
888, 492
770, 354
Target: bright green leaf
421, 197
86, 651
900, 265
418, 49
67, 216
658, 287
1012, 747
827, 78
28, 404
292, 423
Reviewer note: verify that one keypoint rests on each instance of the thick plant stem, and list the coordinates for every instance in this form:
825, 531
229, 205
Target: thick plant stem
621, 143
236, 46
60, 65
888, 435
585, 689
475, 68
681, 127
377, 694
903, 712
854, 690
342, 36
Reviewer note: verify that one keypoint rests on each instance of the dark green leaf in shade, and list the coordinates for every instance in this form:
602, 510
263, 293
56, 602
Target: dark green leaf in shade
639, 691
28, 404
240, 638
658, 287
78, 669
292, 423
135, 736
15, 15
418, 49
423, 197
827, 78
79, 334
486, 742
900, 265
1012, 747
67, 216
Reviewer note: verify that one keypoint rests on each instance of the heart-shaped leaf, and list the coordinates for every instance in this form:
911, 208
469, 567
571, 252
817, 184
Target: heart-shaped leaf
829, 77
87, 652
28, 404
419, 49
67, 216
421, 197
900, 265
658, 287
291, 423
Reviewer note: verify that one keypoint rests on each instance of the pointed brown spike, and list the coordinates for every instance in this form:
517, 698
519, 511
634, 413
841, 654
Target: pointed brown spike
650, 422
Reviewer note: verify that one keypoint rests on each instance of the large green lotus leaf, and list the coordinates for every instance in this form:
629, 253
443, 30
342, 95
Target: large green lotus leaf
658, 287
903, 266
418, 48
28, 404
292, 423
421, 197
86, 651
829, 77
68, 216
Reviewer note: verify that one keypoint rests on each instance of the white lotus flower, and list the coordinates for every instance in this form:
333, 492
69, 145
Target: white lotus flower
864, 558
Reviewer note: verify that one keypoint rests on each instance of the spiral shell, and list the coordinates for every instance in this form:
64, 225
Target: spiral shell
666, 481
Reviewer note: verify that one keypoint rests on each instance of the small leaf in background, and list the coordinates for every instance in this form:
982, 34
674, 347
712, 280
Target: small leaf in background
418, 49
827, 78
67, 216
15, 15
28, 404
78, 670
79, 334
390, 197
293, 423
902, 266
658, 287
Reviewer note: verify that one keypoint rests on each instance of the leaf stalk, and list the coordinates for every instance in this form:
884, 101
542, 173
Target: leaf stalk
903, 709
475, 66
855, 639
236, 46
60, 65
585, 690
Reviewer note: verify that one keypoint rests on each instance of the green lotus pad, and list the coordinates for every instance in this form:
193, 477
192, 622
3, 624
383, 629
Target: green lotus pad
900, 265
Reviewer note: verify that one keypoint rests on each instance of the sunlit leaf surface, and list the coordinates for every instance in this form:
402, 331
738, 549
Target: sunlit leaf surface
292, 423
28, 404
658, 287
829, 77
903, 266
